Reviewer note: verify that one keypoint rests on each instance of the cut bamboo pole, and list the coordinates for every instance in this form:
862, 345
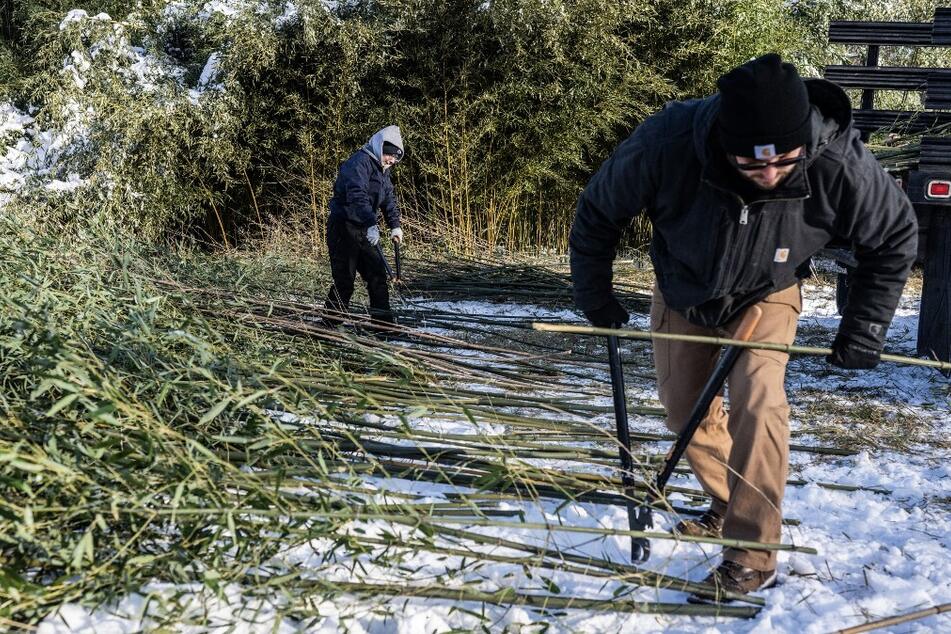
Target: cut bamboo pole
897, 620
509, 596
720, 341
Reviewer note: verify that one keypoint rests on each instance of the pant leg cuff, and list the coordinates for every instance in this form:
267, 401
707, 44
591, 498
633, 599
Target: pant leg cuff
762, 560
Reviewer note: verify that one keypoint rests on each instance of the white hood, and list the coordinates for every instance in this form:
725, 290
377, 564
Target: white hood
374, 147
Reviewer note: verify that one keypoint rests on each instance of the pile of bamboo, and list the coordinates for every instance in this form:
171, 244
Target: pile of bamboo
160, 424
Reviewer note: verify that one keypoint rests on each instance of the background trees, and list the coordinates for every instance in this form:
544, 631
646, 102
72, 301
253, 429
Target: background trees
230, 119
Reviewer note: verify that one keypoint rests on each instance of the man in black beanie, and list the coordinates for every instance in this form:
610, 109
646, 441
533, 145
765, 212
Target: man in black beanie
742, 189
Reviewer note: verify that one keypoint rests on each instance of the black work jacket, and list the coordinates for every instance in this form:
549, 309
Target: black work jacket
715, 253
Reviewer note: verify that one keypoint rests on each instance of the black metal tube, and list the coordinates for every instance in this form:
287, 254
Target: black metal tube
868, 95
398, 259
620, 407
386, 265
710, 390
638, 515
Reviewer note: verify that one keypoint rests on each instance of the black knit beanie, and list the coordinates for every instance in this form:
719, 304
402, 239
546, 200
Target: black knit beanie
392, 150
764, 109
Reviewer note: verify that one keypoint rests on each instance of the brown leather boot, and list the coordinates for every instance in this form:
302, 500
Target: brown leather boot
732, 577
709, 524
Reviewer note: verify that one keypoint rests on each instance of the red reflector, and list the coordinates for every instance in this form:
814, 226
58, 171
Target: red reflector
939, 189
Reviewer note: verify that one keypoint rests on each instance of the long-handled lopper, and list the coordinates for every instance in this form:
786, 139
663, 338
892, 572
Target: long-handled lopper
399, 262
638, 515
386, 265
639, 512
394, 277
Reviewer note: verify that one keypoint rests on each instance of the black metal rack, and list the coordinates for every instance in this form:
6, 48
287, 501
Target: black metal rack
934, 155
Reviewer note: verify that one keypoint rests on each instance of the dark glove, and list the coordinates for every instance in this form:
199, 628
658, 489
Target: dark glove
852, 355
611, 315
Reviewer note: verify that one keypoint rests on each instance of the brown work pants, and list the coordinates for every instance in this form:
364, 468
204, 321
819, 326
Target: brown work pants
741, 458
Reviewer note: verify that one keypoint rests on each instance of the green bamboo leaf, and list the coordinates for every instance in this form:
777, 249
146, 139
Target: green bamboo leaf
83, 549
141, 560
263, 443
231, 527
10, 580
214, 411
418, 411
103, 412
41, 389
61, 404
66, 386
251, 398
550, 585
179, 491
233, 440
22, 465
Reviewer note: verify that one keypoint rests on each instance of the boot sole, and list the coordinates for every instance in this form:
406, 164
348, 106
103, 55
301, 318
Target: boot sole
692, 528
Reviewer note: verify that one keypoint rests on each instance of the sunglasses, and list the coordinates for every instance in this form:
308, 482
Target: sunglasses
752, 167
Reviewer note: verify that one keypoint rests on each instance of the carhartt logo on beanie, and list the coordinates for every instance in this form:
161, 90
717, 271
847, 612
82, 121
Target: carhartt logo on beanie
764, 109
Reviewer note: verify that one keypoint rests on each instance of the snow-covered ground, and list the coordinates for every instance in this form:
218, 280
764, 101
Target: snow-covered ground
879, 554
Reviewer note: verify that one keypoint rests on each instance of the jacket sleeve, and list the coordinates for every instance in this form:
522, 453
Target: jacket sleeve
356, 179
623, 186
879, 220
391, 209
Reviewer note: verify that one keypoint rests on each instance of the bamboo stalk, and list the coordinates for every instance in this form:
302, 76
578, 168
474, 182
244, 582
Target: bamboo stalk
508, 596
897, 620
718, 341
420, 521
545, 558
650, 578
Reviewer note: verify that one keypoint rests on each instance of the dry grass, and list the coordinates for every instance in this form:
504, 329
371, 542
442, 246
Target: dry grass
859, 423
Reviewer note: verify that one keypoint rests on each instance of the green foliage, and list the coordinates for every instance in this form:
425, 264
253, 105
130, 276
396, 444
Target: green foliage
153, 153
507, 107
304, 110
120, 398
25, 25
9, 71
504, 105
696, 41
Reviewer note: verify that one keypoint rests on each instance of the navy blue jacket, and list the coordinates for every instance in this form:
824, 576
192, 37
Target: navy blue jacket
362, 187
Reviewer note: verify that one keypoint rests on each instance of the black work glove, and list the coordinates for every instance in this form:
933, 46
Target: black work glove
856, 348
611, 315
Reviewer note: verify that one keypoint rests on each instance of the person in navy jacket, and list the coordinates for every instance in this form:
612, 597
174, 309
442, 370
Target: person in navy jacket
362, 189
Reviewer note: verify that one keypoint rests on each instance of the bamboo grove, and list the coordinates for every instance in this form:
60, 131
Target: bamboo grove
230, 125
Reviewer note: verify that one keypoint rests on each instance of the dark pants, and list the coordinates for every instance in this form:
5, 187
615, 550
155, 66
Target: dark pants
351, 253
